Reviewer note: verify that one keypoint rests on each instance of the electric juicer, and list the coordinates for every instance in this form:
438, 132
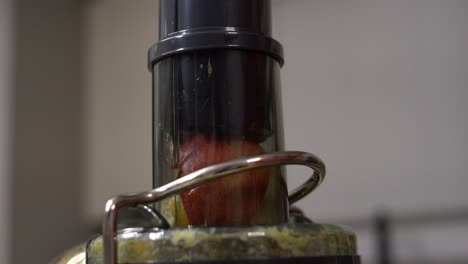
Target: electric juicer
220, 194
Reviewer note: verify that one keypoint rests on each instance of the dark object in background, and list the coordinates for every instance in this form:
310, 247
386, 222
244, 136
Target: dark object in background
383, 238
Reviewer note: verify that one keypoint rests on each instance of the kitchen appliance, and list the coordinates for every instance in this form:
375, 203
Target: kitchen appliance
220, 193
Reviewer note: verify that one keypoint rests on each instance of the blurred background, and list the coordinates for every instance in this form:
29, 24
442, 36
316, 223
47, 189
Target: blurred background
376, 88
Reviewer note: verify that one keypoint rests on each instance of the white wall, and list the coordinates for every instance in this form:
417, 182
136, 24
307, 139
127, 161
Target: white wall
6, 50
117, 100
378, 89
47, 186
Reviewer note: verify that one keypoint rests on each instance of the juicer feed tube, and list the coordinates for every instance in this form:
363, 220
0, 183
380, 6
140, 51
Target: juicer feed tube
216, 97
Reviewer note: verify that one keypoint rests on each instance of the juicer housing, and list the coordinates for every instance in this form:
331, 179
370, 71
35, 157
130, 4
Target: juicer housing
219, 191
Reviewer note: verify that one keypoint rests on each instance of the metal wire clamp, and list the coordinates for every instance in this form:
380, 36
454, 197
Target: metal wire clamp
205, 175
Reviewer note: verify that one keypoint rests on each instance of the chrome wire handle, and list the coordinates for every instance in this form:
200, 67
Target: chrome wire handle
204, 175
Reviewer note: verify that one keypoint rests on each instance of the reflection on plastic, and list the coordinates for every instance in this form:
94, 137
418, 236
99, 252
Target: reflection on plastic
78, 259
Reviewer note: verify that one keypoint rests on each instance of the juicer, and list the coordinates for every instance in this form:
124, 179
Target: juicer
219, 185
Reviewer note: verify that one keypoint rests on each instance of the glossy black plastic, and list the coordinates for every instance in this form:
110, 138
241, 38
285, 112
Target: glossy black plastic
190, 25
251, 15
224, 99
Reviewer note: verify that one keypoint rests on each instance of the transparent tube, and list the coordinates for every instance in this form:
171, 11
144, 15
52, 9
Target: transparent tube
213, 106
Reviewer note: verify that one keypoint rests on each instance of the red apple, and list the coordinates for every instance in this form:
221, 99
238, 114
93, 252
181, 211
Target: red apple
228, 201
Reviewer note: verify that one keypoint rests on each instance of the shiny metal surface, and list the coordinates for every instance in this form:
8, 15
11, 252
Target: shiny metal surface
205, 175
142, 216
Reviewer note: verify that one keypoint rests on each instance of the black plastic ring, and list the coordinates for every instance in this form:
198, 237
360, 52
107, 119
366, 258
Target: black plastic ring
214, 38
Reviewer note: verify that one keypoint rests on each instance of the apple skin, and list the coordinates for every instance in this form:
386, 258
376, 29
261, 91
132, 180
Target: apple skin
232, 200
